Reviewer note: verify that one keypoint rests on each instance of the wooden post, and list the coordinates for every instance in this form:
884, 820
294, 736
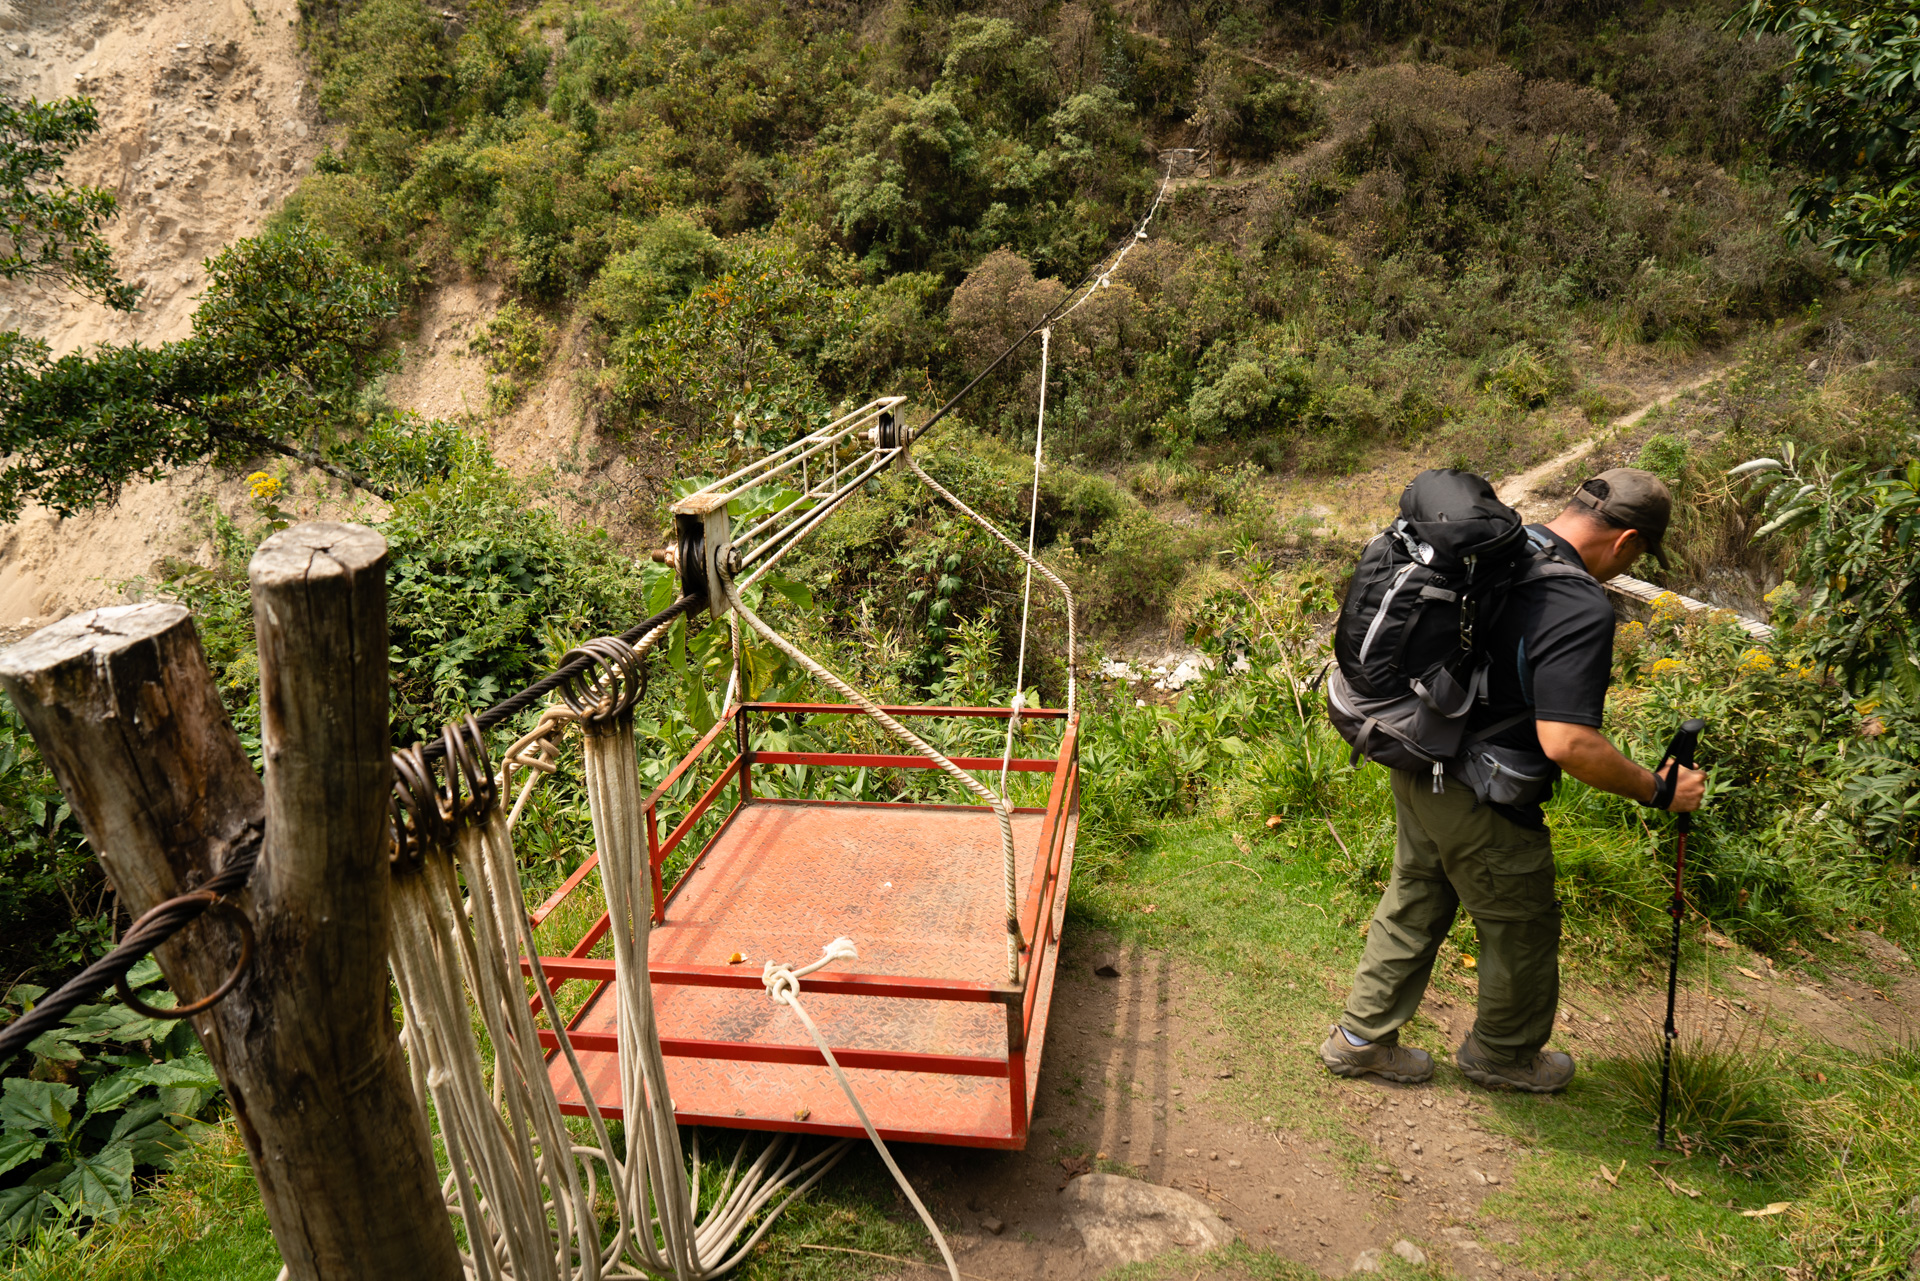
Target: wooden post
122, 705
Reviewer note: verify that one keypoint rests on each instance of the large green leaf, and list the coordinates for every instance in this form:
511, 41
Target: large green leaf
26, 1206
17, 1147
110, 1092
194, 1070
101, 1183
37, 1105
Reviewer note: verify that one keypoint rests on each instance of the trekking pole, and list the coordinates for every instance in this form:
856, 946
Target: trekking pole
1679, 751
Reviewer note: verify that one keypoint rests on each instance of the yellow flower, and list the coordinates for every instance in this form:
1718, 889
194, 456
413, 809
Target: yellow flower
1668, 609
1667, 667
1756, 660
263, 487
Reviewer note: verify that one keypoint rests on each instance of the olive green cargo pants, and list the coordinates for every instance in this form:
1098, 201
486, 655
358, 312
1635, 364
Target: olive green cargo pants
1452, 852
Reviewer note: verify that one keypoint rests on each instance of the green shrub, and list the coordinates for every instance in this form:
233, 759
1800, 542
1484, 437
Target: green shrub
1527, 378
387, 78
51, 905
1663, 455
1249, 112
516, 344
671, 255
1250, 397
104, 1095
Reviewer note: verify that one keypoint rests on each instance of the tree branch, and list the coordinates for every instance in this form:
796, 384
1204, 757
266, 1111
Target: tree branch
312, 459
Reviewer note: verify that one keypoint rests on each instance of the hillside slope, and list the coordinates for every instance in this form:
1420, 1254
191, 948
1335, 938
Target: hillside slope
207, 120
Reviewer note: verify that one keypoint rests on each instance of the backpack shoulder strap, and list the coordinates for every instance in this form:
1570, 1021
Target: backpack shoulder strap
1544, 560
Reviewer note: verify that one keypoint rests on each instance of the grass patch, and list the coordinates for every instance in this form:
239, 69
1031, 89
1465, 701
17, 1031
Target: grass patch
1755, 1124
203, 1222
1723, 1095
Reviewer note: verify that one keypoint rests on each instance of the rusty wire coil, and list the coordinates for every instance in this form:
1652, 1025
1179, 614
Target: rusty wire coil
417, 824
425, 810
155, 926
471, 788
213, 904
612, 681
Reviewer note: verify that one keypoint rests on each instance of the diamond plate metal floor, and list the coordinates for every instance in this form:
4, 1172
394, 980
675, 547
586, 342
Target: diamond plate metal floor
918, 889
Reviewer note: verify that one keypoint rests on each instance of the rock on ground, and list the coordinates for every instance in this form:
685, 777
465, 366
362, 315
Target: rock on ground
1127, 1221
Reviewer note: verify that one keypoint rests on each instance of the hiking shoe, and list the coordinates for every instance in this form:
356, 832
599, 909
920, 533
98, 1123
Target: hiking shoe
1394, 1062
1548, 1073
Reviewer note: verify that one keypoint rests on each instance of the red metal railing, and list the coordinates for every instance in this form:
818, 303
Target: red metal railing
1036, 920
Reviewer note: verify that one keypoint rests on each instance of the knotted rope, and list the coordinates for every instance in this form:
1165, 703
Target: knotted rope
783, 988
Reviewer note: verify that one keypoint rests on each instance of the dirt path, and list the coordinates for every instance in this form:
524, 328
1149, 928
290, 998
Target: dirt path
1539, 492
1142, 1076
1139, 1078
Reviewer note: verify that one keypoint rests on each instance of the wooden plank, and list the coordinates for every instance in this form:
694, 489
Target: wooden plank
1646, 593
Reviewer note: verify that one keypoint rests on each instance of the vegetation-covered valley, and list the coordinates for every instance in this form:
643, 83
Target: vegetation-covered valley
1380, 239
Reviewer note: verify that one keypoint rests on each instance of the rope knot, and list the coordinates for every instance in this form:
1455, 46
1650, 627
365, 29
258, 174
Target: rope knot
783, 981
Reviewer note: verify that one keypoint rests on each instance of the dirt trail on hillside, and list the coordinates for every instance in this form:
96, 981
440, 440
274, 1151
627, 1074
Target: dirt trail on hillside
1539, 492
206, 123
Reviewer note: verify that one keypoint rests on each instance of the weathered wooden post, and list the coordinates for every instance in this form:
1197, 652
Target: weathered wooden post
122, 705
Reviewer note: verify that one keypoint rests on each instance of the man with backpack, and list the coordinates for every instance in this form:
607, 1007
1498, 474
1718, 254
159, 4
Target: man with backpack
1474, 655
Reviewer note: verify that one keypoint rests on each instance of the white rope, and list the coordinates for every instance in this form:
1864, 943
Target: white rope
735, 687
1026, 591
783, 987
998, 802
528, 1196
1139, 234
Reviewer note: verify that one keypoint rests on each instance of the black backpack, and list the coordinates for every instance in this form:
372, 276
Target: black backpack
1409, 663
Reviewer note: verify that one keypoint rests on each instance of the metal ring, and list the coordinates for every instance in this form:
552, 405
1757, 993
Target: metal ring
611, 684
214, 904
418, 824
468, 764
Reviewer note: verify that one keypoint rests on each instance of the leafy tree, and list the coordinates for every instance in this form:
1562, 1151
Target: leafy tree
1861, 558
1851, 106
287, 331
48, 228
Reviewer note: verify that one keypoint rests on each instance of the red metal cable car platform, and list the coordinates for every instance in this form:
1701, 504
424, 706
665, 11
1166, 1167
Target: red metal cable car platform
939, 1047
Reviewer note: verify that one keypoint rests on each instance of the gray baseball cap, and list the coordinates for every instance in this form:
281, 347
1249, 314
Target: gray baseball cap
1631, 499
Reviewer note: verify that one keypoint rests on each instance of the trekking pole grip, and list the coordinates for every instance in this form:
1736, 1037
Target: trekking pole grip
1683, 743
1681, 749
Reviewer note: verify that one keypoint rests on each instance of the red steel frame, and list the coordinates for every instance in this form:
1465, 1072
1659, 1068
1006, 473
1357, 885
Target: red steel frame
1052, 869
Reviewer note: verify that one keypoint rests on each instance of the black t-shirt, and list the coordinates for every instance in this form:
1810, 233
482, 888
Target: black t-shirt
1551, 648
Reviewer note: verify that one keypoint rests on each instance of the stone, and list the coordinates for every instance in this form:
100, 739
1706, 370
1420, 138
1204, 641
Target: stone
993, 1225
1127, 1221
1410, 1252
1369, 1261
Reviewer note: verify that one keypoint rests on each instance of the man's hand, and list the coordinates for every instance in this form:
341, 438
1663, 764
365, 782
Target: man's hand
1585, 753
1689, 790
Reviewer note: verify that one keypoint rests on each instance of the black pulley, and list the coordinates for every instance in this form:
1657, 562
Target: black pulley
690, 538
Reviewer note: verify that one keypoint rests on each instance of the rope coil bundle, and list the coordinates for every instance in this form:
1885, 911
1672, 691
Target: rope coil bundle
526, 1192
